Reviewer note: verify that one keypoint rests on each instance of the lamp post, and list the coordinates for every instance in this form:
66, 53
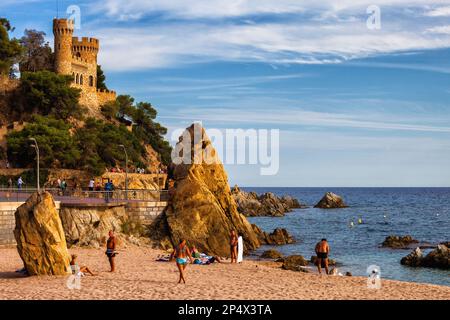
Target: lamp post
126, 171
36, 147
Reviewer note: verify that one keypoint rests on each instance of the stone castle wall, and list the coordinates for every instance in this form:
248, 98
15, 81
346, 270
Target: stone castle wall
78, 57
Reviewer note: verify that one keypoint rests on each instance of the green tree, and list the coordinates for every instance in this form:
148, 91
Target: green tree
99, 144
37, 54
48, 93
110, 109
126, 107
101, 78
57, 147
10, 49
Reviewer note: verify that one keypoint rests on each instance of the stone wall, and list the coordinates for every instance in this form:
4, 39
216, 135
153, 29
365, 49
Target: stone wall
145, 212
8, 221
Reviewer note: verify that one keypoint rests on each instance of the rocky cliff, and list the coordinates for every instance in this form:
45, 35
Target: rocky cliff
202, 209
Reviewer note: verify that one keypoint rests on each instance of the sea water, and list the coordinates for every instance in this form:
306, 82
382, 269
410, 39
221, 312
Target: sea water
423, 213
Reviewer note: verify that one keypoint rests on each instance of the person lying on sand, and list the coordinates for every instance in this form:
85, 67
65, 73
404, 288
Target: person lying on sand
76, 268
322, 251
181, 254
111, 250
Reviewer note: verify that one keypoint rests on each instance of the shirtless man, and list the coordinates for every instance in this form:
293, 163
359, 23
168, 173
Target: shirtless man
233, 246
111, 250
181, 254
322, 251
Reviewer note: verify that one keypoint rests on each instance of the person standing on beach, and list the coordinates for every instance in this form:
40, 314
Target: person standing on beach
111, 250
322, 251
233, 246
181, 253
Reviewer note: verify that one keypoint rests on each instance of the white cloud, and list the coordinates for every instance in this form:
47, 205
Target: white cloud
298, 117
439, 12
168, 45
439, 30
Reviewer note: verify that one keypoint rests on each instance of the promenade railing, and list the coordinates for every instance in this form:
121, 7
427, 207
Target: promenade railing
85, 195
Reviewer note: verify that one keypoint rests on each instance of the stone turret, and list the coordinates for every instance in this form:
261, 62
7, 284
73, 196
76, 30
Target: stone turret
63, 32
78, 57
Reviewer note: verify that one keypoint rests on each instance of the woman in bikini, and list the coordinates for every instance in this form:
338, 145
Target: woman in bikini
181, 254
234, 246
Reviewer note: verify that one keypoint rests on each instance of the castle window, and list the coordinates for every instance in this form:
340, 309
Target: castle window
78, 55
91, 81
76, 79
81, 79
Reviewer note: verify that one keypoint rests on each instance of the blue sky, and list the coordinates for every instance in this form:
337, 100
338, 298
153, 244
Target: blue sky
355, 106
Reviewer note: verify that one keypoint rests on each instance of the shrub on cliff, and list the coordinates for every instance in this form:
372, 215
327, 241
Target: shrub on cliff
10, 49
99, 145
47, 93
57, 147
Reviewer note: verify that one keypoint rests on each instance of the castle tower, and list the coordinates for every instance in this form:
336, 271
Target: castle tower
63, 32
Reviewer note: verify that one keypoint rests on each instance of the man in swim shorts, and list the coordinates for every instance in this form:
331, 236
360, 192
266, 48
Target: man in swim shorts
181, 254
111, 250
322, 251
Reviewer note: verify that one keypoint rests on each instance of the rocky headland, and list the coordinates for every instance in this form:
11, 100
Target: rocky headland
250, 204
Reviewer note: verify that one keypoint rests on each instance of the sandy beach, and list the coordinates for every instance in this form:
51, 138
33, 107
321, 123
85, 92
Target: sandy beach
139, 276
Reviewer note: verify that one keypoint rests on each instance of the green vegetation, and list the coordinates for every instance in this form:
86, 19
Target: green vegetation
99, 144
101, 78
145, 129
47, 93
37, 54
48, 104
57, 147
10, 49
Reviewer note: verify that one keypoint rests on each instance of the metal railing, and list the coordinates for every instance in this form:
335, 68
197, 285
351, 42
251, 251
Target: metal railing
86, 196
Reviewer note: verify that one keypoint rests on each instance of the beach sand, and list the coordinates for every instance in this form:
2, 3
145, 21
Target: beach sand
139, 276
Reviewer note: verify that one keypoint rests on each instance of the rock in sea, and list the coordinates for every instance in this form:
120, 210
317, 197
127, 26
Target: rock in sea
279, 236
40, 238
251, 204
399, 242
331, 201
295, 263
271, 254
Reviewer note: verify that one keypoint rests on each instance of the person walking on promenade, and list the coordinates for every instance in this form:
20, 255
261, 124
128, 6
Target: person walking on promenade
19, 183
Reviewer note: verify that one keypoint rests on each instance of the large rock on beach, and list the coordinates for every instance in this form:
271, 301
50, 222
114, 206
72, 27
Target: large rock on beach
202, 209
40, 238
399, 242
331, 201
251, 204
295, 263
